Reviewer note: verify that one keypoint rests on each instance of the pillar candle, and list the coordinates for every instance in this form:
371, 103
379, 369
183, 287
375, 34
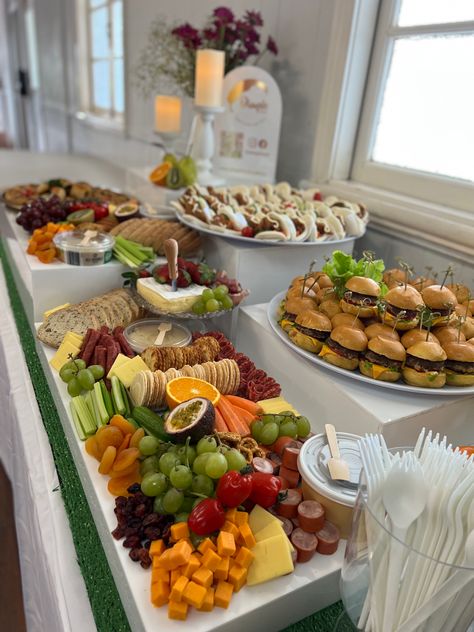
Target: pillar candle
209, 78
167, 114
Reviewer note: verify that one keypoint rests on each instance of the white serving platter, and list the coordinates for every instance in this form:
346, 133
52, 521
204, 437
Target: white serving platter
271, 606
272, 315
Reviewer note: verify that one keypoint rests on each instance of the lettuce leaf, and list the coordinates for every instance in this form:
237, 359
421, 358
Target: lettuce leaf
341, 267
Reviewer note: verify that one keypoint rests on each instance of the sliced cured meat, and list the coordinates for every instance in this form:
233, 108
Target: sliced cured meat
284, 483
260, 464
288, 508
101, 356
89, 349
292, 476
85, 342
124, 346
328, 539
305, 544
282, 442
311, 515
296, 523
289, 458
276, 460
286, 524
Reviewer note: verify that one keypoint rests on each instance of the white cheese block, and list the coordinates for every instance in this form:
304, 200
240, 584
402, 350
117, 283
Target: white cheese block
162, 296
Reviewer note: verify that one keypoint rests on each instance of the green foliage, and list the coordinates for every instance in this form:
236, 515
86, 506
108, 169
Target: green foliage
341, 267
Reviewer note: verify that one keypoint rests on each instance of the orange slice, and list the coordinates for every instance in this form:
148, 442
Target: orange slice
181, 389
158, 175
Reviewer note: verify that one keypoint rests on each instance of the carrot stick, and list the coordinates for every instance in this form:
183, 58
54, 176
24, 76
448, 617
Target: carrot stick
243, 415
219, 423
246, 404
232, 420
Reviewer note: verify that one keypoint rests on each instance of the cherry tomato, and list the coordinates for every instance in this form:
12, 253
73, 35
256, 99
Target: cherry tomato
247, 231
233, 488
265, 489
206, 517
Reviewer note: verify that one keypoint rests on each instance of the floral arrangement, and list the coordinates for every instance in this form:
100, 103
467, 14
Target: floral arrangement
168, 59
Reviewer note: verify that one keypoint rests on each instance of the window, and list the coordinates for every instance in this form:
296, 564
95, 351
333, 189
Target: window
105, 64
416, 131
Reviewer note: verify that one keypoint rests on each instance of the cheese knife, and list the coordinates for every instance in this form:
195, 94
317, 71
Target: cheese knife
171, 253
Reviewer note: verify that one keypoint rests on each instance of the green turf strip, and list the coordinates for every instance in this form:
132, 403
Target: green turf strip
105, 601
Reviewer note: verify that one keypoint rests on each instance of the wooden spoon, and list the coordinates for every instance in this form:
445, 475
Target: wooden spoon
338, 468
163, 329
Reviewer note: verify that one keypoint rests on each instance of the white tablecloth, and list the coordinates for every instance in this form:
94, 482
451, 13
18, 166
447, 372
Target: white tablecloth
54, 592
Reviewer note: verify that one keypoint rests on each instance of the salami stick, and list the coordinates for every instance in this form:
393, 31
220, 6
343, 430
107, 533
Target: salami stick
101, 356
124, 346
91, 344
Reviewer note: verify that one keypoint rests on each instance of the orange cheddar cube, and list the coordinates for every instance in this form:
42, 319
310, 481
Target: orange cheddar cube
208, 603
194, 594
165, 561
177, 610
223, 594
192, 566
230, 514
181, 553
211, 560
178, 531
241, 517
203, 576
206, 545
160, 592
157, 547
174, 575
177, 589
244, 557
247, 536
230, 527
237, 577
160, 574
225, 544
222, 570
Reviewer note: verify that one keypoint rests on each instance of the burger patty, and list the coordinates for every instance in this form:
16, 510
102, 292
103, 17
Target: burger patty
288, 316
419, 364
410, 314
342, 351
460, 367
359, 299
382, 360
313, 333
441, 312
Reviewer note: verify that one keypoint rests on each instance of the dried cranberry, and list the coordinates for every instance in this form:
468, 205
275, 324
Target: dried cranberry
132, 542
152, 533
151, 519
134, 554
117, 533
140, 511
145, 559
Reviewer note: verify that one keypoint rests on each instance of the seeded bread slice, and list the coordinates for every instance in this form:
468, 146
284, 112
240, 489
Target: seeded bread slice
54, 328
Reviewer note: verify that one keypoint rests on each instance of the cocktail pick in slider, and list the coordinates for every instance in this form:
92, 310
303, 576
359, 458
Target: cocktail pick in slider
171, 253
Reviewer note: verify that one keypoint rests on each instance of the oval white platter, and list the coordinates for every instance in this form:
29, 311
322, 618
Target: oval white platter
272, 315
201, 227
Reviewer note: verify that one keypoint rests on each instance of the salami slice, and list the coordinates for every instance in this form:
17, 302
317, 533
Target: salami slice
328, 539
311, 515
91, 344
304, 543
288, 508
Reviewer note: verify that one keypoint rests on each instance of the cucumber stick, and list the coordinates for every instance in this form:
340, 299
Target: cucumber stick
123, 390
99, 400
79, 429
107, 399
90, 404
119, 404
81, 411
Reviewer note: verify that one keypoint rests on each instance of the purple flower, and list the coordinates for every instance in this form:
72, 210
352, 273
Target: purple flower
251, 48
254, 17
252, 35
230, 35
210, 34
271, 45
188, 34
224, 15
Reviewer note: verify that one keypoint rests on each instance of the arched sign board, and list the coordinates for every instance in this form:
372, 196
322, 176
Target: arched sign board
247, 132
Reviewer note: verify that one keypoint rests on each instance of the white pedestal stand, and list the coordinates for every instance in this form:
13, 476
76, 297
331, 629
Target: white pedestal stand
204, 146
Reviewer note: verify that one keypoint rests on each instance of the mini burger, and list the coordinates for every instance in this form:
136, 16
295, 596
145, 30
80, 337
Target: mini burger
384, 331
346, 319
393, 277
322, 279
448, 334
325, 294
344, 346
293, 307
419, 283
401, 307
330, 308
360, 297
424, 365
310, 330
459, 365
467, 328
309, 290
383, 359
441, 301
460, 291
413, 336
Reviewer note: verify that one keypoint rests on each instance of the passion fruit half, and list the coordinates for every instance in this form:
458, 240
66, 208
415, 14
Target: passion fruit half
125, 211
193, 418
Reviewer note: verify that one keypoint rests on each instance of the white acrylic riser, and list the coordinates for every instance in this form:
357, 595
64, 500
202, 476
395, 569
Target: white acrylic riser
265, 270
351, 406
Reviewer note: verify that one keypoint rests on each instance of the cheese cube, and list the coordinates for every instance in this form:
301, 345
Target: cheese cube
160, 592
223, 594
276, 405
177, 589
194, 594
222, 570
128, 370
120, 360
225, 544
272, 559
61, 356
177, 610
243, 558
208, 603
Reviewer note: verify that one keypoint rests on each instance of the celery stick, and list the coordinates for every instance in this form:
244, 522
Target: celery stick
123, 390
104, 415
79, 429
107, 400
87, 420
119, 404
89, 404
97, 417
126, 253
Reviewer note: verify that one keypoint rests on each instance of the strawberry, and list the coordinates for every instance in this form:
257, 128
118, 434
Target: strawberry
201, 273
247, 231
160, 274
318, 197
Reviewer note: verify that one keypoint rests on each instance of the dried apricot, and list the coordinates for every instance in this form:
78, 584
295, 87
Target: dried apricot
108, 459
125, 443
108, 435
92, 448
132, 470
136, 437
125, 426
119, 486
126, 458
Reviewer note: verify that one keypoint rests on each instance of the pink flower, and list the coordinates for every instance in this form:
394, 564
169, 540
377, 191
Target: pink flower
224, 15
254, 17
210, 34
271, 45
188, 34
251, 48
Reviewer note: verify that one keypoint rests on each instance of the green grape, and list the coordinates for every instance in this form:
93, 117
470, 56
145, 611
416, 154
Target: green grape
74, 388
79, 364
206, 444
148, 445
207, 295
154, 484
70, 364
199, 465
187, 504
158, 506
256, 429
173, 449
221, 290
235, 460
187, 454
269, 419
167, 462
86, 379
216, 465
181, 477
172, 500
181, 517
288, 429
212, 305
203, 484
199, 307
303, 427
97, 371
227, 302
288, 413
67, 374
150, 464
269, 433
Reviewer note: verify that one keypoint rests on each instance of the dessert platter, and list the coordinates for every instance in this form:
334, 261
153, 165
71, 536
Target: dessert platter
271, 214
356, 320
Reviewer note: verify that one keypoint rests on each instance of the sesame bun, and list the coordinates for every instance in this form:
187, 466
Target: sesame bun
350, 338
347, 319
425, 380
461, 352
437, 297
413, 336
330, 308
379, 329
297, 291
427, 351
298, 304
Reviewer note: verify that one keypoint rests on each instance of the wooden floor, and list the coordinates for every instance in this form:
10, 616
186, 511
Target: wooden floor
12, 618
